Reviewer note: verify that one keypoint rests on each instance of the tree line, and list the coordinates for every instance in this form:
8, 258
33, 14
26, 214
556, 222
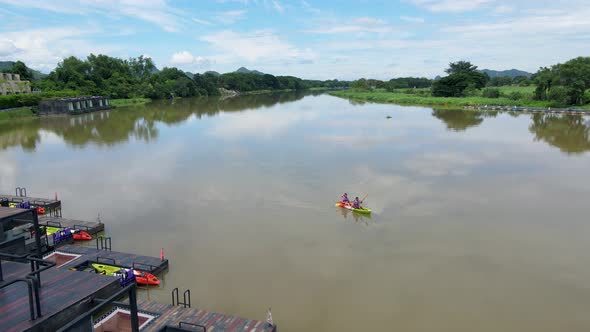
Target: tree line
139, 77
561, 85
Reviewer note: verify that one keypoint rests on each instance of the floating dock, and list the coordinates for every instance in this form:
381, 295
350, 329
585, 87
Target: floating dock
57, 292
152, 265
90, 227
51, 206
176, 316
63, 295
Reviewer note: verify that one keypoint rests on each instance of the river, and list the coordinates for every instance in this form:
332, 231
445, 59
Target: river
480, 220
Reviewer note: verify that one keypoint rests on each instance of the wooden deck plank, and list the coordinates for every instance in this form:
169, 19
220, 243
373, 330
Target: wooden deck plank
37, 201
92, 227
153, 264
172, 315
60, 290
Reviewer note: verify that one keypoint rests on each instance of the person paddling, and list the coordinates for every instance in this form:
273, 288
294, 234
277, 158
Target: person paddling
357, 203
344, 198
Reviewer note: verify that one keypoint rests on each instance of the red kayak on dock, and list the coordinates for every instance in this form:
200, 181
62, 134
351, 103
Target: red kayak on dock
81, 235
145, 278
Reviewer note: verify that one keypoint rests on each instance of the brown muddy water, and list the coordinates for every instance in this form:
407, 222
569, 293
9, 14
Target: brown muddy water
480, 220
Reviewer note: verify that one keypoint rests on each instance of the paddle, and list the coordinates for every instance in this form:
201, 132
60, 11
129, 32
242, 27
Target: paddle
362, 200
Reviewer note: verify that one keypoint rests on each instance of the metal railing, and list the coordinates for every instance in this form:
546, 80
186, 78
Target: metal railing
186, 298
191, 325
81, 227
20, 192
105, 243
34, 277
137, 266
98, 258
131, 290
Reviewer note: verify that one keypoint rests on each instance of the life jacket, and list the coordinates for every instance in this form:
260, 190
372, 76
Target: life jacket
356, 204
345, 199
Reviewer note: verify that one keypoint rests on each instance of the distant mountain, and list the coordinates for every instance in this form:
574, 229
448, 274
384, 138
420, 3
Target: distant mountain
189, 74
212, 72
512, 73
244, 70
7, 65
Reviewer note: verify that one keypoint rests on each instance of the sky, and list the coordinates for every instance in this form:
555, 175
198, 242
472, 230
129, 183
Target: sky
310, 39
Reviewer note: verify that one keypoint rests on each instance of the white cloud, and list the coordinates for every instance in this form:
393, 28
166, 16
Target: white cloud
277, 6
186, 58
259, 45
307, 6
503, 9
204, 22
411, 19
231, 16
7, 48
183, 57
450, 5
153, 11
357, 25
42, 49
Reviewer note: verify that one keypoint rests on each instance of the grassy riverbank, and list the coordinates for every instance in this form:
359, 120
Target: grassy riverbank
17, 113
129, 102
422, 97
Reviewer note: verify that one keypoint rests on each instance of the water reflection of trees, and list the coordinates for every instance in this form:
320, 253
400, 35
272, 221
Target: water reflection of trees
460, 120
569, 133
140, 123
23, 133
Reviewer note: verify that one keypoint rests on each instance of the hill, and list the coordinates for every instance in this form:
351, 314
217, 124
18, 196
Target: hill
512, 73
244, 70
7, 65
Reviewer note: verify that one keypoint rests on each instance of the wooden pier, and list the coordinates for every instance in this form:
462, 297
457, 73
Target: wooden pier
64, 295
173, 316
70, 294
51, 206
145, 263
91, 227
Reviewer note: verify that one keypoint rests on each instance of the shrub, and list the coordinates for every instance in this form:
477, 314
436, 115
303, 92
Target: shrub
515, 95
558, 96
491, 93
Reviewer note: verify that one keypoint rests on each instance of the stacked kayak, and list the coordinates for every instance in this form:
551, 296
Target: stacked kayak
76, 233
141, 277
349, 207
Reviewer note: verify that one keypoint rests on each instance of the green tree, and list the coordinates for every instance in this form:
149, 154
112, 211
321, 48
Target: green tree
570, 81
20, 68
462, 75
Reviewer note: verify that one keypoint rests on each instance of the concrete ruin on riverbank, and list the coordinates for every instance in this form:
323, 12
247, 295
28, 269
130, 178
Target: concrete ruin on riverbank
73, 105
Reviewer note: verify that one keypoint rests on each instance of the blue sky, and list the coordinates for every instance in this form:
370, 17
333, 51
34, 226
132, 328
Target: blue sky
306, 38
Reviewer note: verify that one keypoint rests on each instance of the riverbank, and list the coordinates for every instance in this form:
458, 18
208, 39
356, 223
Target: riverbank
129, 102
401, 98
17, 113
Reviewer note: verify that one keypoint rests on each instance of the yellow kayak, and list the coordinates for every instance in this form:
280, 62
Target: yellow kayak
349, 207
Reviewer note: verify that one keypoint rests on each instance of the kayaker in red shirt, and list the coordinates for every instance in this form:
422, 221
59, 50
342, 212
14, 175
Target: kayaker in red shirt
344, 198
356, 204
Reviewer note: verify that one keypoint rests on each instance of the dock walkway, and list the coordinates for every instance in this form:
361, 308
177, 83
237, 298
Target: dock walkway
172, 315
149, 264
91, 227
52, 206
61, 295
